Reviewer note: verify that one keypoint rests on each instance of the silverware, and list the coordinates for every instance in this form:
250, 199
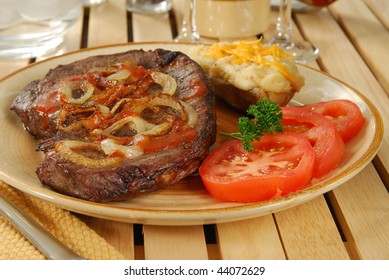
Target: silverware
46, 243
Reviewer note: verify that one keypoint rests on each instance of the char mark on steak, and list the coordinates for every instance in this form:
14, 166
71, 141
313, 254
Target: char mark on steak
133, 176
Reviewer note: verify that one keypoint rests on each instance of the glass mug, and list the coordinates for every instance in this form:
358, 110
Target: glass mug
229, 20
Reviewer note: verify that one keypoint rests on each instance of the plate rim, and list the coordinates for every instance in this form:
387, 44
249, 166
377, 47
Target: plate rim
160, 215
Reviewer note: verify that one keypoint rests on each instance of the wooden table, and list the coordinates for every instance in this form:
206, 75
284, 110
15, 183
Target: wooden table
351, 222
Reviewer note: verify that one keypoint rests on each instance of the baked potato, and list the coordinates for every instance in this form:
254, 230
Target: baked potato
246, 71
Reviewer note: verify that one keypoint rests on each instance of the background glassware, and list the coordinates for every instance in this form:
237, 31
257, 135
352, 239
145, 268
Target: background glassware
305, 6
317, 3
188, 31
149, 6
93, 2
302, 51
31, 28
232, 20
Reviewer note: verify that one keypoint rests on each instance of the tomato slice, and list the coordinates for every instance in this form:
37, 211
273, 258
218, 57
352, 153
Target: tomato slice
321, 133
280, 164
344, 114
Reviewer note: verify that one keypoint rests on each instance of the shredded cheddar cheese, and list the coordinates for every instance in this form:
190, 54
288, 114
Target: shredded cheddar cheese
252, 52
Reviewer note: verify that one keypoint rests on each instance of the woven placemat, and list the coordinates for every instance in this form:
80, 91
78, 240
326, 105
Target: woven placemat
61, 223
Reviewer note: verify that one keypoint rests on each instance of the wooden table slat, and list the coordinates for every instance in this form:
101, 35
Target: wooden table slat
169, 242
381, 9
368, 35
73, 37
250, 239
309, 231
362, 209
144, 28
108, 24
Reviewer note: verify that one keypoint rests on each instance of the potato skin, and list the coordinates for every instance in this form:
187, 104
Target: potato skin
242, 99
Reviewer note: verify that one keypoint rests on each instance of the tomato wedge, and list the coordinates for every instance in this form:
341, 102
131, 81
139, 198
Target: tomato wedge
321, 133
344, 114
280, 164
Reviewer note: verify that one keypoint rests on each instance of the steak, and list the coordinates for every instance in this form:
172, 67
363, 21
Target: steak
177, 128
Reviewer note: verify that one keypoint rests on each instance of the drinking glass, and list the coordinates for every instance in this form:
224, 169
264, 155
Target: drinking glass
302, 51
188, 32
149, 6
32, 28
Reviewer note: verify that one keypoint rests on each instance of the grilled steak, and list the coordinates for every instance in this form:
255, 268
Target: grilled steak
116, 126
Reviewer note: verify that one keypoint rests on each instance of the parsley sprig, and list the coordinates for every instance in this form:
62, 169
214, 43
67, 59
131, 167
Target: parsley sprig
266, 118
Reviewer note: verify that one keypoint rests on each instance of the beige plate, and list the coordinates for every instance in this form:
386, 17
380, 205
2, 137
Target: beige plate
186, 203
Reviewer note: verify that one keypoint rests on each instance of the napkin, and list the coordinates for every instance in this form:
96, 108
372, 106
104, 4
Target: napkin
61, 223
